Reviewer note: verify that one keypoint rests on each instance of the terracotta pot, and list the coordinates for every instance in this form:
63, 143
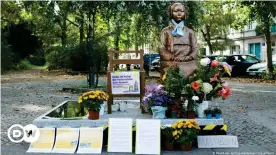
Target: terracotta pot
186, 147
191, 114
93, 115
168, 146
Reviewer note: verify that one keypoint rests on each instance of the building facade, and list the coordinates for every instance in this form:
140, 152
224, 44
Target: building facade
248, 41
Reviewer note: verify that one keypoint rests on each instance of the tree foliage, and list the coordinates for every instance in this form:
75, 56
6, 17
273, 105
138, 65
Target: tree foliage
263, 12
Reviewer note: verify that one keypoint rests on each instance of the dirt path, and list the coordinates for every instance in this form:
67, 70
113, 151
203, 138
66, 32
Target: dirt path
36, 75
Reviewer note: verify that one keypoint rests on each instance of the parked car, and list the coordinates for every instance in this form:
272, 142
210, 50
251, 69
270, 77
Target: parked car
259, 68
148, 58
155, 64
239, 62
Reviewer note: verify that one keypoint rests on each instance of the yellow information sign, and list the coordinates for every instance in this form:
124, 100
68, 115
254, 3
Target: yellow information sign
91, 140
66, 140
45, 141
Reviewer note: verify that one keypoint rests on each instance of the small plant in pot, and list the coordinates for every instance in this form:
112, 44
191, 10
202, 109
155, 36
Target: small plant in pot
208, 112
93, 100
217, 113
167, 132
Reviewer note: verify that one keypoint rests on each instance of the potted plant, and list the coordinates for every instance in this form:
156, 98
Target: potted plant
185, 132
208, 112
167, 132
173, 84
157, 101
217, 113
93, 100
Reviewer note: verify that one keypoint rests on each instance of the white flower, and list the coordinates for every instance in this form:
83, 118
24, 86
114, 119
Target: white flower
207, 87
205, 61
195, 98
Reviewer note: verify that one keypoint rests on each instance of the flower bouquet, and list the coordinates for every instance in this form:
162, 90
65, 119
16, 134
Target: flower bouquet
93, 101
206, 84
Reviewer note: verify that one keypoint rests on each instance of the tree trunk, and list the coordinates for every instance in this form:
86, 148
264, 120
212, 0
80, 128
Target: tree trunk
63, 32
207, 38
269, 64
81, 29
116, 42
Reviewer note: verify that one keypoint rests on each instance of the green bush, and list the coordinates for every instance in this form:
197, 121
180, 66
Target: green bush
38, 58
265, 76
58, 57
6, 57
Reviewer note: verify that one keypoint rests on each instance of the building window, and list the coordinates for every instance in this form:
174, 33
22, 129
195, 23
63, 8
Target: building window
235, 49
273, 28
250, 27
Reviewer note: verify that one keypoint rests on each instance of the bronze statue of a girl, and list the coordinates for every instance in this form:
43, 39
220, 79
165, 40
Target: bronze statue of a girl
178, 43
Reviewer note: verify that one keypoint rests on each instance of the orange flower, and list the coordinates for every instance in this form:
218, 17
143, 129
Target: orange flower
195, 85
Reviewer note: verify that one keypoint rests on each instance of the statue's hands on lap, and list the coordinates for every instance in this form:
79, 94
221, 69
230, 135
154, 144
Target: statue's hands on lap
176, 59
188, 58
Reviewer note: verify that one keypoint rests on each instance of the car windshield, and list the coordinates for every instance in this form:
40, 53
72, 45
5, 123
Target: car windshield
250, 59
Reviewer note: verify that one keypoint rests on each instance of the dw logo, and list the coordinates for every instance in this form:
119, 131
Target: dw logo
17, 133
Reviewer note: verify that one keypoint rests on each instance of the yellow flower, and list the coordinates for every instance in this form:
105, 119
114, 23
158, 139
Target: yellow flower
174, 126
85, 98
80, 101
164, 77
227, 70
175, 133
190, 126
179, 125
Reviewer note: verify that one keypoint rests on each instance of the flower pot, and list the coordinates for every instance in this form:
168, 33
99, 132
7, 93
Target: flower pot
218, 116
168, 146
209, 116
102, 109
93, 115
186, 147
123, 106
158, 112
191, 114
173, 115
115, 107
200, 109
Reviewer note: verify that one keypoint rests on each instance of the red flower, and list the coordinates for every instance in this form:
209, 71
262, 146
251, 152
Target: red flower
214, 63
195, 85
224, 92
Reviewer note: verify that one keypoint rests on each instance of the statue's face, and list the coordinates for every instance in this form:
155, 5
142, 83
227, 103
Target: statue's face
178, 13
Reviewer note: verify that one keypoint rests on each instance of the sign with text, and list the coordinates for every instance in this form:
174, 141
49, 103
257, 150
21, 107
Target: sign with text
125, 82
119, 135
66, 140
91, 140
217, 142
148, 136
45, 142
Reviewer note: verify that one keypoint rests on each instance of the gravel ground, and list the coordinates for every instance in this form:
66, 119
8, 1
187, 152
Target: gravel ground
250, 115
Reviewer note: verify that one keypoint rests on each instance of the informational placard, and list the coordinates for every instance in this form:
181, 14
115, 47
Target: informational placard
125, 82
119, 135
45, 142
217, 141
66, 140
148, 136
91, 140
